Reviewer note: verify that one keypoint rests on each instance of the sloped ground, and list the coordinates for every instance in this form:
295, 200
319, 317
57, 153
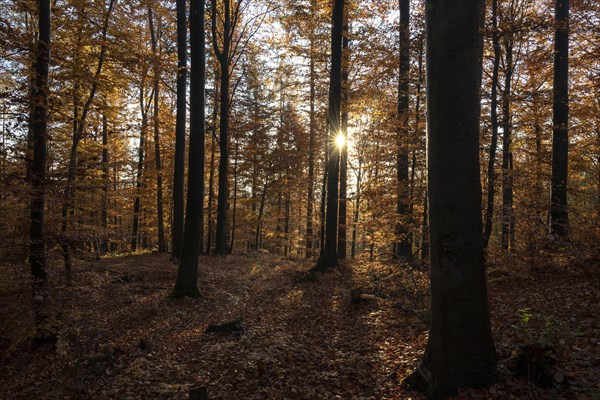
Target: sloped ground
304, 339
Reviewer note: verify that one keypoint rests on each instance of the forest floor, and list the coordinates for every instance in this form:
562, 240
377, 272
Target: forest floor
305, 338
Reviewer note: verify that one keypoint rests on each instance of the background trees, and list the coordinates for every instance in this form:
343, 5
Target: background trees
276, 123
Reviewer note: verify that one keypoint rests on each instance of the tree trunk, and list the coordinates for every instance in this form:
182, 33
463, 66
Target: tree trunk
559, 211
328, 258
261, 209
356, 209
162, 245
140, 168
489, 215
310, 251
344, 149
179, 170
235, 190
211, 178
37, 170
223, 56
507, 178
187, 275
425, 229
460, 350
79, 129
404, 245
105, 183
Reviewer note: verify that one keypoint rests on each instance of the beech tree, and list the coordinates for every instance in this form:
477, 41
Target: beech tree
460, 350
404, 245
39, 123
179, 170
329, 256
187, 276
559, 213
79, 128
489, 215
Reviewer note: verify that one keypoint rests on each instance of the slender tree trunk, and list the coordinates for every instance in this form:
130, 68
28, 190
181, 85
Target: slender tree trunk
310, 251
79, 128
322, 205
187, 276
140, 168
105, 183
235, 189
37, 170
344, 149
286, 224
489, 215
328, 258
559, 211
507, 178
425, 229
211, 178
404, 245
162, 245
460, 351
223, 56
356, 208
261, 210
179, 171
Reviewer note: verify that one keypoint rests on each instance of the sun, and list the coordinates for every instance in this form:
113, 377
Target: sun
340, 140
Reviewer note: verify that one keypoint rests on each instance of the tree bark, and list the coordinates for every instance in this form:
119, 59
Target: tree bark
344, 149
460, 350
310, 251
404, 245
489, 215
37, 170
356, 209
559, 212
211, 178
235, 190
140, 168
223, 56
328, 258
105, 183
179, 170
154, 36
507, 178
187, 275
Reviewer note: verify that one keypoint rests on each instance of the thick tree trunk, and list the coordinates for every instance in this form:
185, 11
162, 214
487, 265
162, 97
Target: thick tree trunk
187, 275
328, 258
404, 245
559, 211
162, 245
179, 170
489, 215
37, 171
460, 350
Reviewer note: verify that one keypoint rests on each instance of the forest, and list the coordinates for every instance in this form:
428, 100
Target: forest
301, 199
